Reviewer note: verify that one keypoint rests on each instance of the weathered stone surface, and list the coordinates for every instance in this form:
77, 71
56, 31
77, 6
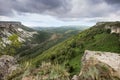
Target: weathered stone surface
112, 59
113, 26
9, 28
7, 66
8, 24
100, 65
114, 29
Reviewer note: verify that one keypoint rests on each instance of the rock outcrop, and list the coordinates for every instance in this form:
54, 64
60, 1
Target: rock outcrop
114, 29
7, 66
98, 65
8, 24
9, 28
113, 26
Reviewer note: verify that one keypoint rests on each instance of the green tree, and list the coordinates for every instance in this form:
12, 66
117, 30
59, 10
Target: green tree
10, 48
1, 46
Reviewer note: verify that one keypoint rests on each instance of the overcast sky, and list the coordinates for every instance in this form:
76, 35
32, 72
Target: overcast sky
59, 12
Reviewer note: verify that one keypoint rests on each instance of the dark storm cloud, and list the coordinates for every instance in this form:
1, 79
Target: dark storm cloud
113, 1
61, 8
5, 7
33, 6
40, 5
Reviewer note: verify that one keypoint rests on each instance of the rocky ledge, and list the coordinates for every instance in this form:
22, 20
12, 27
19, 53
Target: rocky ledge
98, 65
114, 27
7, 29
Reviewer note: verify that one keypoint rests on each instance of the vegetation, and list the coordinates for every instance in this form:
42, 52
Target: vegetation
62, 29
70, 51
96, 71
10, 47
47, 71
44, 40
64, 52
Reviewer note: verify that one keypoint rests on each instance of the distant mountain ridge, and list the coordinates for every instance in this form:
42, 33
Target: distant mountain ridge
61, 27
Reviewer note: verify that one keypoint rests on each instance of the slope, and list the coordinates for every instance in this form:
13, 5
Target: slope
69, 52
46, 38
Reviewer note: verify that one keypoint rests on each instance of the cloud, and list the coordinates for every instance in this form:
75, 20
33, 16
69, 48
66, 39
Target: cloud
66, 10
52, 7
113, 1
5, 7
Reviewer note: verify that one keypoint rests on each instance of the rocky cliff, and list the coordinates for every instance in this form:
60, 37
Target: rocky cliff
9, 28
114, 27
7, 24
98, 65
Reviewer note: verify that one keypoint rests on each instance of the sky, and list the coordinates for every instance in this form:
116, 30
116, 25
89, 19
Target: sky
48, 13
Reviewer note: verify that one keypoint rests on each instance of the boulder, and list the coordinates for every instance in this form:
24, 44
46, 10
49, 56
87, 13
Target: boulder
97, 65
7, 66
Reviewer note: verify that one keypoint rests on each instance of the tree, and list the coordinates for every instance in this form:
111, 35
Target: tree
10, 48
1, 46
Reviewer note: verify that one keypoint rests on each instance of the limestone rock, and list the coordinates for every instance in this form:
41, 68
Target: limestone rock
98, 65
9, 28
113, 26
7, 66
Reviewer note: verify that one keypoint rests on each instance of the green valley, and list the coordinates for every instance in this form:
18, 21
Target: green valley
69, 52
58, 52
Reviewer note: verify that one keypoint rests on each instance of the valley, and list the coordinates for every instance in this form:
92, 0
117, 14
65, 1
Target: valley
59, 40
56, 53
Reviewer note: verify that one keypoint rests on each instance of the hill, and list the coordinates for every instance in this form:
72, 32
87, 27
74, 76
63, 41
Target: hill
60, 29
13, 34
33, 41
69, 52
54, 55
46, 38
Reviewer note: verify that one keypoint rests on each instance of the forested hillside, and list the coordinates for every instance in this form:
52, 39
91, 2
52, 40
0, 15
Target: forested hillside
69, 52
57, 54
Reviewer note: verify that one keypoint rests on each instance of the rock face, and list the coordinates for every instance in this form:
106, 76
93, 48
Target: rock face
112, 59
7, 66
9, 28
113, 26
7, 24
114, 29
98, 65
